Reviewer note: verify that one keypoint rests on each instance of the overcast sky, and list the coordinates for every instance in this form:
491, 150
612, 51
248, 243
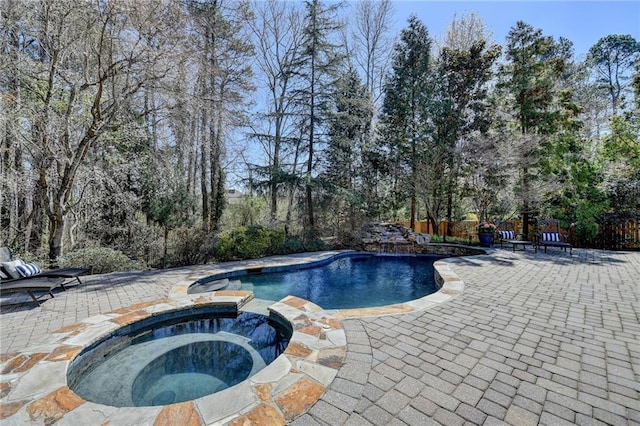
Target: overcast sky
582, 22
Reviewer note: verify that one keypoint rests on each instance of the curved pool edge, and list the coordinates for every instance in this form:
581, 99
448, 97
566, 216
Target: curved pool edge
271, 263
451, 285
33, 386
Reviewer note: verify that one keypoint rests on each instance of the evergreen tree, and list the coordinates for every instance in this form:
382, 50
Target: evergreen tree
612, 58
534, 66
462, 107
405, 114
348, 130
318, 67
224, 78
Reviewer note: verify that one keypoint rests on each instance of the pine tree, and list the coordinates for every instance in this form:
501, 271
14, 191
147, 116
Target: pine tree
345, 155
319, 65
534, 66
224, 79
405, 110
612, 59
462, 106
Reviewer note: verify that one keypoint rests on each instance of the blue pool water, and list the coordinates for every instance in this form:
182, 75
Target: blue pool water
176, 360
357, 281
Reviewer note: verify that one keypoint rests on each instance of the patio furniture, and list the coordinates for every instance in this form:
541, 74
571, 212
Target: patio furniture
66, 273
507, 235
31, 285
549, 235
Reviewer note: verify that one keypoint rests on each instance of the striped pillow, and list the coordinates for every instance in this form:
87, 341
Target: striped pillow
12, 268
508, 235
551, 236
28, 269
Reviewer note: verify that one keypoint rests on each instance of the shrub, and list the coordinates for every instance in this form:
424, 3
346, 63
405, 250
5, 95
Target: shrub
295, 244
100, 259
249, 242
190, 246
257, 241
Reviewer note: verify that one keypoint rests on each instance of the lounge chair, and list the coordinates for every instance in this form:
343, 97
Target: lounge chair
31, 285
66, 273
549, 235
507, 235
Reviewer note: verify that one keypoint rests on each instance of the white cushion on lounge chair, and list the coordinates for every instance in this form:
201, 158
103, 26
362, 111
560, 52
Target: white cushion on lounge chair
11, 267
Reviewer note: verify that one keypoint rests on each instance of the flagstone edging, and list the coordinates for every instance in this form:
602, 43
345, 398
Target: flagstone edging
451, 285
33, 388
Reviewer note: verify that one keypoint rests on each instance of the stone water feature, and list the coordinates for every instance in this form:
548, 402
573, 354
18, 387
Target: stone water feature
398, 239
392, 238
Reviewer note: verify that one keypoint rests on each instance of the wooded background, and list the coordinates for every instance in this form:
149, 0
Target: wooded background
125, 124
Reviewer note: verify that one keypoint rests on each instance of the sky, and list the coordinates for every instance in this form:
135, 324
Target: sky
582, 22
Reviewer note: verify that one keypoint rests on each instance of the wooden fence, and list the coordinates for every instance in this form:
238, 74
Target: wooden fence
465, 229
618, 235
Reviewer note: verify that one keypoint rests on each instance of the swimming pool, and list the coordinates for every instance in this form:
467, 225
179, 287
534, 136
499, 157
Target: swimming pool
353, 280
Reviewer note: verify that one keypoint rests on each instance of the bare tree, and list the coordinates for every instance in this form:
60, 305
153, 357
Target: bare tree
12, 184
224, 77
279, 47
372, 42
87, 66
464, 31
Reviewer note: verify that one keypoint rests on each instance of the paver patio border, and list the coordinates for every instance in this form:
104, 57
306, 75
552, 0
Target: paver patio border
33, 384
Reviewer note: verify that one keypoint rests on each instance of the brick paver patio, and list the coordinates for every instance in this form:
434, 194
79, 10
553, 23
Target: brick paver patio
534, 339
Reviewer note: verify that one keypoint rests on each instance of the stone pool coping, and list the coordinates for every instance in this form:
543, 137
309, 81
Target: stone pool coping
450, 284
33, 387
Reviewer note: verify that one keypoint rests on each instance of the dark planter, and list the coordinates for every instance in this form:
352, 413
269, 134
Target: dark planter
486, 238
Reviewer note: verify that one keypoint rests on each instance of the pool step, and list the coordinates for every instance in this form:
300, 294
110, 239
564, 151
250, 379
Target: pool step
234, 285
258, 306
211, 286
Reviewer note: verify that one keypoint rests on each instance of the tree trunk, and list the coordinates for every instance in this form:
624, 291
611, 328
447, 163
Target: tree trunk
56, 232
449, 211
525, 204
453, 166
203, 172
34, 242
310, 161
412, 222
217, 184
193, 161
164, 252
275, 172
